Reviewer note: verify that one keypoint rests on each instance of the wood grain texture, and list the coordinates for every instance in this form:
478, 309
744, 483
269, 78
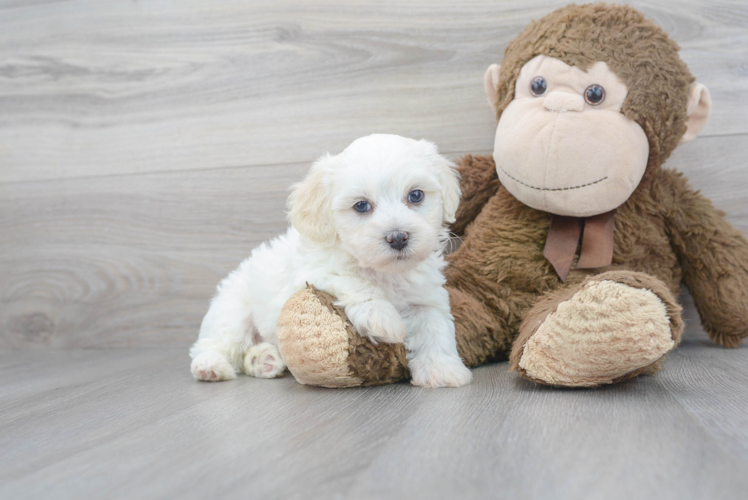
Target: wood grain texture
91, 88
132, 260
116, 261
131, 423
146, 148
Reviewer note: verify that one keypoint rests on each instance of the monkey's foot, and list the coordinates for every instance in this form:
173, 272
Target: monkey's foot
321, 347
609, 328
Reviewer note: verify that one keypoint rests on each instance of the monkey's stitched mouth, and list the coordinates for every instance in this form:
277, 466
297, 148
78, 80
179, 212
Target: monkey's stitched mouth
550, 189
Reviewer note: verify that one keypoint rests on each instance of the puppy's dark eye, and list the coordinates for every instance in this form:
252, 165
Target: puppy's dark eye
594, 95
362, 206
415, 196
538, 86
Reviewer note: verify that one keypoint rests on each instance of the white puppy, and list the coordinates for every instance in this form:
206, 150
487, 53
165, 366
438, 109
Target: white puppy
368, 226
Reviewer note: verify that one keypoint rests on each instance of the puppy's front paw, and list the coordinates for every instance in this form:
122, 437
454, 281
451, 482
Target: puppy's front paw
442, 371
263, 361
211, 366
378, 320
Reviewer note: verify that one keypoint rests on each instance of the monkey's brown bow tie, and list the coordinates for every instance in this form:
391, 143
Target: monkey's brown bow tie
563, 238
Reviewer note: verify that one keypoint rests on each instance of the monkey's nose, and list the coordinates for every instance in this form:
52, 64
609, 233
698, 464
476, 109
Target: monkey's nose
563, 101
397, 239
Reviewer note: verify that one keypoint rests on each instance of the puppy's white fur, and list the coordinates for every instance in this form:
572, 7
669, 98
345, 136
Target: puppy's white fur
389, 295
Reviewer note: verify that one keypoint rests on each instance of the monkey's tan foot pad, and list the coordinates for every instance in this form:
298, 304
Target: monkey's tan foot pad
601, 332
320, 346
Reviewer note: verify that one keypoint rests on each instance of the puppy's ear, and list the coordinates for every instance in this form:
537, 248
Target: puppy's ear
449, 182
310, 205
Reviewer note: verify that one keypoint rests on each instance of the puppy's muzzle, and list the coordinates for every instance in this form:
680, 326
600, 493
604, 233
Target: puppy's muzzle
397, 239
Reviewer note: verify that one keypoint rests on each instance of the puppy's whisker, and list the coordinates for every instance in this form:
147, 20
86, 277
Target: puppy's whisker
452, 243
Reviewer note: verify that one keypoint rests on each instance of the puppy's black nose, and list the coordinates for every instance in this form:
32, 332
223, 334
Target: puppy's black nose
397, 239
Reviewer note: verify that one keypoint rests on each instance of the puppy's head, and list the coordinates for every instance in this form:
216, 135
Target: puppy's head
386, 199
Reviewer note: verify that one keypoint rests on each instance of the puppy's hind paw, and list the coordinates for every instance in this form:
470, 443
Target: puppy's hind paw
211, 366
263, 361
439, 372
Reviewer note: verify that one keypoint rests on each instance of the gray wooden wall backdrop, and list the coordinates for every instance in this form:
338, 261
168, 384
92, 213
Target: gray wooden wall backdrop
146, 146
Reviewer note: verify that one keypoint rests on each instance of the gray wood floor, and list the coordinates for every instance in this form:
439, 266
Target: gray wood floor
146, 147
131, 423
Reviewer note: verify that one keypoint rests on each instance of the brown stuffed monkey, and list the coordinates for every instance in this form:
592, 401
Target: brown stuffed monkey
576, 240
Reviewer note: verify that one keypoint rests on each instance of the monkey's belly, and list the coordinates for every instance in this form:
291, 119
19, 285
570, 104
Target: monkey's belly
501, 261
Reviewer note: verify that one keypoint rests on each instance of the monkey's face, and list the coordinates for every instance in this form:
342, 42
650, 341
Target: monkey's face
563, 146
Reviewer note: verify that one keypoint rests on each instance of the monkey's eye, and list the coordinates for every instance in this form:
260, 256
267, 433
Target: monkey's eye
594, 94
538, 86
362, 206
415, 196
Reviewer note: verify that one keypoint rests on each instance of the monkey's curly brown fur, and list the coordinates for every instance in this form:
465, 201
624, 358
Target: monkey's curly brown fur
666, 229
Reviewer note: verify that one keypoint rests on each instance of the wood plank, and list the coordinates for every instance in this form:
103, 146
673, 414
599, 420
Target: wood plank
133, 260
153, 432
710, 383
92, 89
109, 261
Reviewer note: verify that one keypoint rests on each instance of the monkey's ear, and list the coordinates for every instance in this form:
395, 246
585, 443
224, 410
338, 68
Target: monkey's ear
491, 84
699, 104
310, 205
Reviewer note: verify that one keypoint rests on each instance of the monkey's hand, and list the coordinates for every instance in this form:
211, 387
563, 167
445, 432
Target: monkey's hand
714, 257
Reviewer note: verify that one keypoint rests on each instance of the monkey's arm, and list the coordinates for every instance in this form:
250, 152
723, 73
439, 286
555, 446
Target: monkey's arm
478, 182
714, 257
